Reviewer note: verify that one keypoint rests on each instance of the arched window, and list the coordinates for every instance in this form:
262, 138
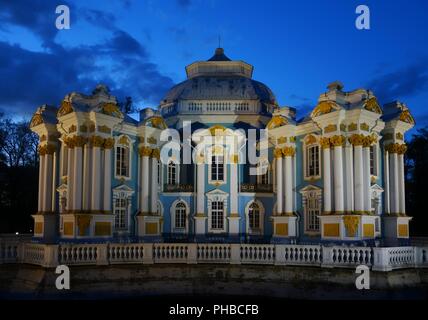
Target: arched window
254, 217
180, 216
172, 173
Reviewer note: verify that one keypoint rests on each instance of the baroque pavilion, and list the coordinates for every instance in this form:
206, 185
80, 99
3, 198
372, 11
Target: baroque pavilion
336, 175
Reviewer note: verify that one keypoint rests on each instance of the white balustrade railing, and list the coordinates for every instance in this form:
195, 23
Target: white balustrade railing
347, 256
298, 255
257, 253
213, 253
378, 258
78, 254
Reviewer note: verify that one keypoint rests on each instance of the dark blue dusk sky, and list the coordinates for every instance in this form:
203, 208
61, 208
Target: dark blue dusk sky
140, 48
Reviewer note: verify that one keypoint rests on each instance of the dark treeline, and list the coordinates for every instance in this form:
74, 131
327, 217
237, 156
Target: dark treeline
19, 178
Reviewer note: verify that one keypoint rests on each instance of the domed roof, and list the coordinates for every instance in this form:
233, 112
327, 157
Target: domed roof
220, 88
219, 78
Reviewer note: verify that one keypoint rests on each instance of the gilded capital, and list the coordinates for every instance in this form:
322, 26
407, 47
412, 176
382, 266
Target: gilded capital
145, 151
337, 141
325, 143
96, 141
277, 153
356, 140
79, 141
396, 148
288, 151
108, 143
156, 153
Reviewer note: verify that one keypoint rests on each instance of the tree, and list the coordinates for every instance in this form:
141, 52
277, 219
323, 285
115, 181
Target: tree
416, 171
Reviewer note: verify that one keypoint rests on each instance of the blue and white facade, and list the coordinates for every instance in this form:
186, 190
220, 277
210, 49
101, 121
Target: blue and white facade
199, 169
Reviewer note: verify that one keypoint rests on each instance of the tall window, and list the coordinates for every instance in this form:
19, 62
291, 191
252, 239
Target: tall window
159, 172
263, 173
217, 168
120, 216
172, 173
254, 217
372, 161
180, 216
217, 215
122, 161
313, 212
312, 161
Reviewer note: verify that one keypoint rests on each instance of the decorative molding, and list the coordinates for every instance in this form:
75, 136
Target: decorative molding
330, 128
276, 122
104, 129
373, 106
351, 224
289, 151
364, 126
65, 108
337, 141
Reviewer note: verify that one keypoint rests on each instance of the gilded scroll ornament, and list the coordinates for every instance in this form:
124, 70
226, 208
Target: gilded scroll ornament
330, 128
276, 122
323, 108
65, 108
373, 106
351, 224
356, 140
36, 120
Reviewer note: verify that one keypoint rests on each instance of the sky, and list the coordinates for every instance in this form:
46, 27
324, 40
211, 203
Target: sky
140, 48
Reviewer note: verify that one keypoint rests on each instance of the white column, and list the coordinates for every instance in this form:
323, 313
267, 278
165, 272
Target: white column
358, 178
366, 179
401, 187
393, 178
200, 189
279, 191
233, 188
288, 185
338, 179
47, 184
54, 181
86, 177
96, 178
386, 178
77, 179
154, 186
70, 176
349, 178
145, 182
327, 179
107, 180
41, 170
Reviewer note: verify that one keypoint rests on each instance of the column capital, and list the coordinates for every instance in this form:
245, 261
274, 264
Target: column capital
325, 143
108, 143
46, 149
145, 151
396, 148
96, 141
337, 141
289, 151
356, 140
156, 153
277, 153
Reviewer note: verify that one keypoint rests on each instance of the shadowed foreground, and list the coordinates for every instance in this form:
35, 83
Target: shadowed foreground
94, 282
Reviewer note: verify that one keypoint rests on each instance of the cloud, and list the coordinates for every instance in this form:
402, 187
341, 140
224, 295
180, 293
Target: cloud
35, 78
409, 80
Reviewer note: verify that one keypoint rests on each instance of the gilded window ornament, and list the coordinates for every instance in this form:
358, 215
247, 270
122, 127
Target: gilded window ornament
337, 141
373, 106
276, 122
330, 128
65, 108
310, 139
352, 127
216, 129
124, 140
351, 224
364, 126
282, 140
104, 129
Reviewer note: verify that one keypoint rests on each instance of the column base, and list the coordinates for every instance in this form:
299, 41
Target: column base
46, 226
200, 224
284, 226
233, 225
86, 225
396, 227
149, 225
355, 227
